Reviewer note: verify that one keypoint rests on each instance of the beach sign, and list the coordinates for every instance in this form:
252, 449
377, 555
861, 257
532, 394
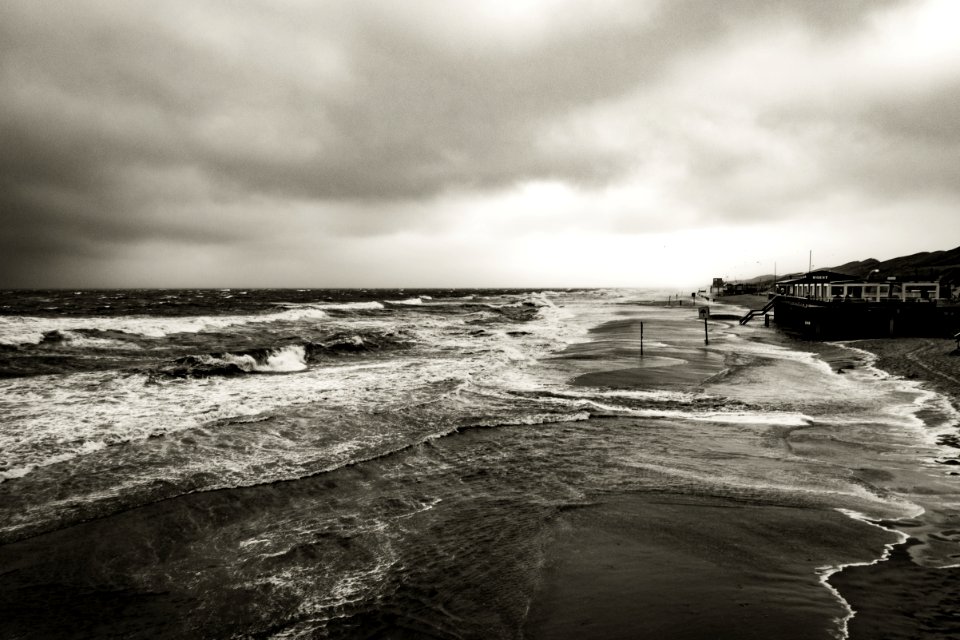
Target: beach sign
704, 312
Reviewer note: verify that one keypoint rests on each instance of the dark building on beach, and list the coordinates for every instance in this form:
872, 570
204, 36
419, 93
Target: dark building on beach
827, 304
831, 285
740, 288
815, 284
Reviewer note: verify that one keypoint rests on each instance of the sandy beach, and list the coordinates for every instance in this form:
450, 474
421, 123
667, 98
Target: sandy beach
648, 566
672, 566
898, 598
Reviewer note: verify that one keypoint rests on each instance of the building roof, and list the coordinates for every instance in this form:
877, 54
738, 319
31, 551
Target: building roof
819, 276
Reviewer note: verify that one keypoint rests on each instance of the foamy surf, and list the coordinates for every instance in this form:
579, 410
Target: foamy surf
16, 331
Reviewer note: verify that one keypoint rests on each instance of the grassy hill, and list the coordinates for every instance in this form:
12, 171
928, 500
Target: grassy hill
927, 265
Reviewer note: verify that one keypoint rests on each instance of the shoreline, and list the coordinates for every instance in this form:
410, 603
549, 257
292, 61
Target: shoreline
932, 361
645, 565
829, 572
878, 591
654, 570
894, 597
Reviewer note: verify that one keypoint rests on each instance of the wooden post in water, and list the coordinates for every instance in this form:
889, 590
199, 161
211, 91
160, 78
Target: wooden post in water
641, 340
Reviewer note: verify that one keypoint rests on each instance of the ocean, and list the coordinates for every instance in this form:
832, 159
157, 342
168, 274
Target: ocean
455, 464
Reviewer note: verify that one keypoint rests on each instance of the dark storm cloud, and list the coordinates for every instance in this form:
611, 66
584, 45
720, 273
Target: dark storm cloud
416, 118
409, 118
209, 123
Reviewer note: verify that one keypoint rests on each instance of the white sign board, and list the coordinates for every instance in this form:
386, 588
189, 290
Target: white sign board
704, 312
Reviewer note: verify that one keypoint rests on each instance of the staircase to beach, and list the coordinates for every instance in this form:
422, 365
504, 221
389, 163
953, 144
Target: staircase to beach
759, 312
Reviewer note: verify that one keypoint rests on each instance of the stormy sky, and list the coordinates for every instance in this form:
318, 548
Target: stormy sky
302, 143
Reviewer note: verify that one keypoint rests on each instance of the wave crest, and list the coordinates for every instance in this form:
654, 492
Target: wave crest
289, 359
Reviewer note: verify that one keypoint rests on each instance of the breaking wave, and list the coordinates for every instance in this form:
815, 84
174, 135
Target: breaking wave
355, 306
288, 359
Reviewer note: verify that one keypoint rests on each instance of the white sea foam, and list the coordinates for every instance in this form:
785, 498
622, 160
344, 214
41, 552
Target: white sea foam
514, 354
772, 418
81, 448
50, 419
653, 395
372, 305
534, 418
926, 398
75, 339
760, 418
16, 330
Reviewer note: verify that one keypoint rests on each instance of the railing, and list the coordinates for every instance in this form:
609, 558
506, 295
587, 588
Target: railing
756, 312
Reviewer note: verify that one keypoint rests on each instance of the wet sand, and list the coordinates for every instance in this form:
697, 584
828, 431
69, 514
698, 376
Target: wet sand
899, 599
691, 567
678, 566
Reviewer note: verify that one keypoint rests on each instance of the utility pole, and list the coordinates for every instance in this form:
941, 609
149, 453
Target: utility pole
810, 262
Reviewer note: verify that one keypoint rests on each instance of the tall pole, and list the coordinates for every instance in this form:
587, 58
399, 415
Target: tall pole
706, 336
810, 262
641, 340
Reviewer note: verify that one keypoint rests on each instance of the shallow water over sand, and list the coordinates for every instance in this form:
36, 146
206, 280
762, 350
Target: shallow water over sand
450, 481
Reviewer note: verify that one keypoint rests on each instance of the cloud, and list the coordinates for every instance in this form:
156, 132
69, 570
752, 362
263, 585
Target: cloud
137, 132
